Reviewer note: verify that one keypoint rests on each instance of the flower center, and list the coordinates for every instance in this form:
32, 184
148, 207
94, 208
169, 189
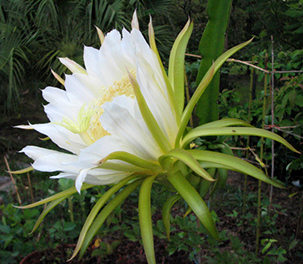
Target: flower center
87, 124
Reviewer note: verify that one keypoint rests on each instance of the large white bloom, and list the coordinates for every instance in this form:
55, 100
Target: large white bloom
98, 113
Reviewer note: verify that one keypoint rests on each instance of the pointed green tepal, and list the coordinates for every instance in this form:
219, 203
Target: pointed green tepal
211, 47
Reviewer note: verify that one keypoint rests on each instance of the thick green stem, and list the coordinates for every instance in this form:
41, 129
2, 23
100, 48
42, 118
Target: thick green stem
211, 47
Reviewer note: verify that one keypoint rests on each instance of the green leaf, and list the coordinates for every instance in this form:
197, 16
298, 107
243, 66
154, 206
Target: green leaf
166, 209
189, 160
107, 210
194, 200
176, 65
234, 131
145, 219
149, 119
234, 163
93, 213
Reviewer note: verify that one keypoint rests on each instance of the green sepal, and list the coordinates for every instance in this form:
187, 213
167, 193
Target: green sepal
194, 200
95, 210
223, 173
225, 122
106, 211
176, 65
234, 163
169, 88
48, 208
25, 170
188, 159
208, 164
222, 178
56, 196
233, 131
129, 158
148, 117
203, 85
205, 185
145, 219
166, 209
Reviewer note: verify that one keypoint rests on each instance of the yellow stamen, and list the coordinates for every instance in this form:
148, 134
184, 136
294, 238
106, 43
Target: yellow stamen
88, 124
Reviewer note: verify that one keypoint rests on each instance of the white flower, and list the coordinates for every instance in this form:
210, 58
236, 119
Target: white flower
98, 113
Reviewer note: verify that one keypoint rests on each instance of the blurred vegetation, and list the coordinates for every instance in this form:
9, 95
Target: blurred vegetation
34, 33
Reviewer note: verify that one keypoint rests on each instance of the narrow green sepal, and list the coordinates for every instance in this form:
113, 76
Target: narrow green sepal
95, 210
189, 160
205, 185
234, 131
59, 195
166, 209
106, 211
169, 88
203, 85
234, 163
194, 200
129, 158
48, 208
176, 65
145, 219
225, 122
148, 117
25, 170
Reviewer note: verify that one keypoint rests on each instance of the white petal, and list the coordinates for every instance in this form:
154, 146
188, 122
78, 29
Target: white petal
77, 93
72, 66
119, 119
61, 136
81, 178
135, 23
60, 106
50, 160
